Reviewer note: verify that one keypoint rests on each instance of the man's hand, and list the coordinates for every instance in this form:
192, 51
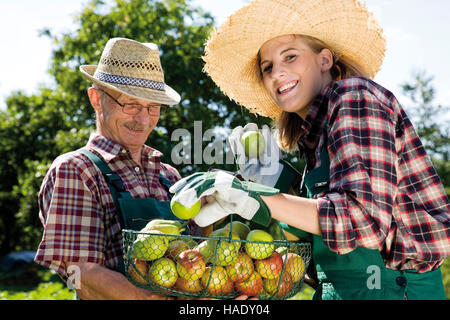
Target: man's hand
100, 283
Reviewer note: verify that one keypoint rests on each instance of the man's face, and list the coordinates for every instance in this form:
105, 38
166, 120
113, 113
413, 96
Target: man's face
130, 131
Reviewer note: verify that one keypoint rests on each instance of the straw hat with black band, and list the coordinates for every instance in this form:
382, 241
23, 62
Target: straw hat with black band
132, 68
231, 53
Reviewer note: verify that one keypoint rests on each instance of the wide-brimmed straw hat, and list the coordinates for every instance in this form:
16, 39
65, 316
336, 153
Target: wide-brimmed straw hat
133, 68
231, 53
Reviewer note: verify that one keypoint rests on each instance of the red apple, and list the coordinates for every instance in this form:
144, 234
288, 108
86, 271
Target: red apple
295, 266
219, 284
175, 248
191, 265
271, 285
241, 269
252, 287
270, 268
191, 286
138, 273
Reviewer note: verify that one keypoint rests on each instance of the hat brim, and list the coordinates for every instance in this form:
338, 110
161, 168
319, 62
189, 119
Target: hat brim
167, 97
231, 53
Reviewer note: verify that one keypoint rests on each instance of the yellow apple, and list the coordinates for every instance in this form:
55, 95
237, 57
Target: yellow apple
259, 250
253, 143
183, 212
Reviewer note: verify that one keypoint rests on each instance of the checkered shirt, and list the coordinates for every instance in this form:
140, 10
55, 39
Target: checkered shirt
81, 223
384, 192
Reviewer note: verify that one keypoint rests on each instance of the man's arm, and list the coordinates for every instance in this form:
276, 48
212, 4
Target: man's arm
98, 283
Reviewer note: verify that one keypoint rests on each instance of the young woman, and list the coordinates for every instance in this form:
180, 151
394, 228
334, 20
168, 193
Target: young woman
370, 197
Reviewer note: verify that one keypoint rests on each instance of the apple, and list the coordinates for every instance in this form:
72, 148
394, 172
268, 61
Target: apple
259, 250
206, 248
163, 271
227, 251
241, 269
295, 266
191, 265
138, 271
191, 286
239, 227
149, 247
271, 267
175, 248
254, 144
252, 287
271, 286
219, 284
183, 212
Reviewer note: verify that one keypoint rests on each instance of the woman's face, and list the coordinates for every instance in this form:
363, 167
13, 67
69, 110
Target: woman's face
292, 73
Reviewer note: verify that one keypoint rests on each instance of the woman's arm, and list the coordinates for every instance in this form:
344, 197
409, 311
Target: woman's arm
295, 211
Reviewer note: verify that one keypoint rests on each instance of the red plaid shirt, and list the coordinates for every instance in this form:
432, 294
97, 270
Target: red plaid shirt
384, 192
77, 210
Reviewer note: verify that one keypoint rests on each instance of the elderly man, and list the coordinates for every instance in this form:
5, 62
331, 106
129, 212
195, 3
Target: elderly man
82, 221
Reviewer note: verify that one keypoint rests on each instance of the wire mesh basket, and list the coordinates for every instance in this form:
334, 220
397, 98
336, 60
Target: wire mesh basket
221, 265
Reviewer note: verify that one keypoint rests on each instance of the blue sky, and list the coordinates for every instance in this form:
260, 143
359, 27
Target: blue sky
417, 33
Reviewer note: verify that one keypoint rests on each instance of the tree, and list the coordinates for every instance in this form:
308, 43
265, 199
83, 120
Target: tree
36, 129
430, 122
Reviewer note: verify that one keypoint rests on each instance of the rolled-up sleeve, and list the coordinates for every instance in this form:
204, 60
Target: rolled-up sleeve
357, 209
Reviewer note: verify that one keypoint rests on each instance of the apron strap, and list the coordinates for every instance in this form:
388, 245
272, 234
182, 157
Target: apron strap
115, 183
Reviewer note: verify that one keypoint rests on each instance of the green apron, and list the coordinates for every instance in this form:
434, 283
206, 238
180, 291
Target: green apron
361, 274
134, 213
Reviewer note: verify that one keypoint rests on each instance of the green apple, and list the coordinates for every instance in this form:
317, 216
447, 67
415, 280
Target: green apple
183, 212
239, 227
227, 251
149, 247
259, 250
163, 272
254, 144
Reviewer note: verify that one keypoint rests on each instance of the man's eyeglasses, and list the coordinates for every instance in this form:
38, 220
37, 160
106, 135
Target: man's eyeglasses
134, 108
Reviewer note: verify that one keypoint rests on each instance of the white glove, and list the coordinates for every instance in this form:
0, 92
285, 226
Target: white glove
231, 196
266, 169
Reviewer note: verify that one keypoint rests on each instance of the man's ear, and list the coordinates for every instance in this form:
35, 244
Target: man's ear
326, 59
95, 98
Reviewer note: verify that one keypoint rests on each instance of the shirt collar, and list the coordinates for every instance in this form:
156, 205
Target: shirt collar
313, 125
110, 149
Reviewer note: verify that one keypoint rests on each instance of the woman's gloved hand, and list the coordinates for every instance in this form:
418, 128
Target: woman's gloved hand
266, 169
227, 194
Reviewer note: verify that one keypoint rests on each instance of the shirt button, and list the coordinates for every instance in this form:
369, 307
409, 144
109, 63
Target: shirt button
137, 169
401, 281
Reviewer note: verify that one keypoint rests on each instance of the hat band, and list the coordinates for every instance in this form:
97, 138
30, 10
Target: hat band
129, 81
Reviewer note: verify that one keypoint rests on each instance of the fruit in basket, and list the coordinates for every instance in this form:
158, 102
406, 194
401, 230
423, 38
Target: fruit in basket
191, 286
295, 266
271, 267
275, 230
176, 247
271, 286
227, 251
165, 226
206, 248
149, 247
241, 269
137, 271
191, 265
282, 250
254, 144
163, 272
239, 227
184, 212
259, 250
219, 284
252, 287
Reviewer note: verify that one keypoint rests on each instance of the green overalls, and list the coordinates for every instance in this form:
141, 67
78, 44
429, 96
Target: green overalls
361, 274
134, 213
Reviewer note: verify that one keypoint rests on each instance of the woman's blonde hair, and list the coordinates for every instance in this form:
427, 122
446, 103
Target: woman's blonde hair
289, 123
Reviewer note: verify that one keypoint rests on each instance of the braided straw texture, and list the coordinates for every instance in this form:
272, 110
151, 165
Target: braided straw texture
231, 51
132, 68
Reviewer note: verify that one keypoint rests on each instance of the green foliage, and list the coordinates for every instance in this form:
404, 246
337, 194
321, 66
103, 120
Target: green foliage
36, 129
